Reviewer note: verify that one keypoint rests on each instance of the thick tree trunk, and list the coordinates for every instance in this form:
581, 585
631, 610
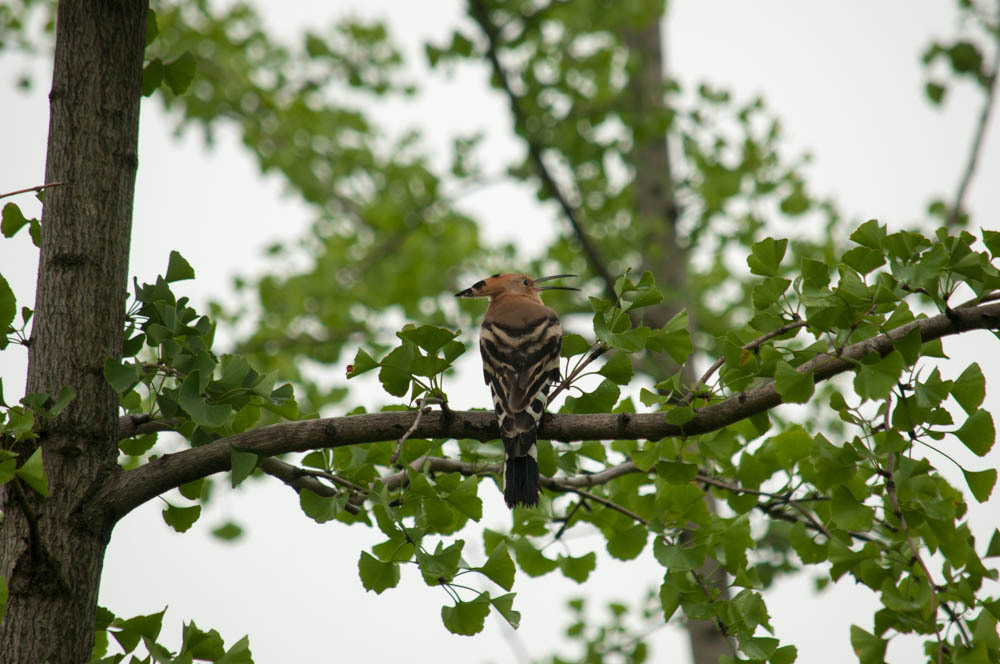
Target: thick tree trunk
51, 550
656, 214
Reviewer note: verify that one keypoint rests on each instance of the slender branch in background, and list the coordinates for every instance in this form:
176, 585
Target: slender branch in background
440, 465
480, 14
563, 484
590, 479
603, 501
890, 489
977, 140
299, 343
718, 623
574, 483
956, 620
810, 521
986, 297
38, 188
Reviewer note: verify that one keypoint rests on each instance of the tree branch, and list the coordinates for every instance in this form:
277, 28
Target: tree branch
36, 188
137, 424
573, 483
129, 489
610, 504
480, 14
780, 499
297, 479
423, 406
440, 465
977, 142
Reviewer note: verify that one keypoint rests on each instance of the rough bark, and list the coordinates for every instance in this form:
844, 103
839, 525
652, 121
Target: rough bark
52, 550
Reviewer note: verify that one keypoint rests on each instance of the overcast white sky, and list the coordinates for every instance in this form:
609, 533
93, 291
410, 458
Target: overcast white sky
844, 77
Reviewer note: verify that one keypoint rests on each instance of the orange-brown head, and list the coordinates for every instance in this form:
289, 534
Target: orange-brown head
512, 284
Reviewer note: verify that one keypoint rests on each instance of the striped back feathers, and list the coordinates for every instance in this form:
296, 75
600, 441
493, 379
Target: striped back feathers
519, 364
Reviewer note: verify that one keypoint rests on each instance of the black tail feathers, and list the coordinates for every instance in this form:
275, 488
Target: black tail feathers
520, 481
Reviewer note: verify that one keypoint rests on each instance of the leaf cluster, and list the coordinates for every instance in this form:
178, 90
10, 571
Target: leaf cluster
416, 365
142, 633
169, 372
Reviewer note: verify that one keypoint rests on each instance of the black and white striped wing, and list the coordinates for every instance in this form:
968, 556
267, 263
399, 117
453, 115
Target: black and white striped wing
520, 363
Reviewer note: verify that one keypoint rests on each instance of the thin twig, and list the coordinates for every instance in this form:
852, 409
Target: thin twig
137, 424
719, 623
770, 510
751, 346
977, 141
567, 519
854, 328
336, 479
890, 489
566, 382
780, 498
985, 297
480, 14
811, 521
956, 620
443, 465
556, 485
423, 406
300, 478
37, 188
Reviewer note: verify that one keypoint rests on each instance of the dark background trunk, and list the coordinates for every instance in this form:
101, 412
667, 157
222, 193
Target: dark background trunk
656, 211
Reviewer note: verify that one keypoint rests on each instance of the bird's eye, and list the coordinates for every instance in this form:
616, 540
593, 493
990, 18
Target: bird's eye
527, 283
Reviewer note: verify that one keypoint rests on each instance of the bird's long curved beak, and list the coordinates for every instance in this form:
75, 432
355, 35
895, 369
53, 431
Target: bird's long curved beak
554, 276
550, 278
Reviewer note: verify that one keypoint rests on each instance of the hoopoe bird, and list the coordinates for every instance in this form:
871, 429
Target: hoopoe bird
519, 340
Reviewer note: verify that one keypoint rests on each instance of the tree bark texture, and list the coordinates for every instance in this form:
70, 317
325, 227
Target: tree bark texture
52, 549
655, 202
